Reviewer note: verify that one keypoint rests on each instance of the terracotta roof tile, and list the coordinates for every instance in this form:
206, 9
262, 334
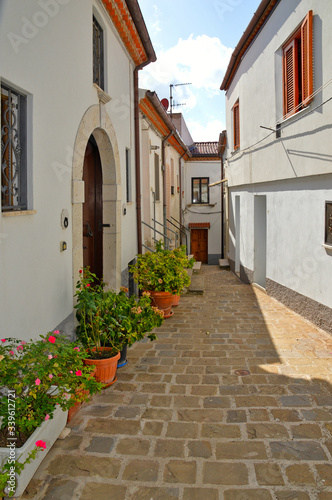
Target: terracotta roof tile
204, 149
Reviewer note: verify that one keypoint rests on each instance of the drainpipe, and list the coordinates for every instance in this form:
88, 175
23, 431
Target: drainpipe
137, 161
180, 186
163, 145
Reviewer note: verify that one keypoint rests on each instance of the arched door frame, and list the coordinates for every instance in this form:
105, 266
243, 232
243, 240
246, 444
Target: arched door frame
96, 122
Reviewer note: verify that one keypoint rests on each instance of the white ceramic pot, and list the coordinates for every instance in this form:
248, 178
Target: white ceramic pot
49, 431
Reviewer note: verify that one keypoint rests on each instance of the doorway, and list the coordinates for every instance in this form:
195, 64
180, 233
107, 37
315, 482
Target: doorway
93, 210
260, 240
237, 234
199, 245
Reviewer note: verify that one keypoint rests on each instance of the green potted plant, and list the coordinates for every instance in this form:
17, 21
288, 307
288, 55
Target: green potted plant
38, 382
162, 273
108, 321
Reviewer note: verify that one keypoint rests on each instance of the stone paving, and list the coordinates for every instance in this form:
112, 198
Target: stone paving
233, 402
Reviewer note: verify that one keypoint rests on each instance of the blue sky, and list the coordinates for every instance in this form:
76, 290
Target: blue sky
193, 41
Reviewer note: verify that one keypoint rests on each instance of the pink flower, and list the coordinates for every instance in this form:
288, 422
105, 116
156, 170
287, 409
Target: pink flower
50, 356
86, 286
3, 340
71, 371
23, 342
19, 348
50, 375
76, 348
11, 352
56, 332
78, 373
80, 271
41, 444
37, 381
51, 339
47, 417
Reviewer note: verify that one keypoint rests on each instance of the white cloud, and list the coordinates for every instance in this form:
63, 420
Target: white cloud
201, 61
201, 132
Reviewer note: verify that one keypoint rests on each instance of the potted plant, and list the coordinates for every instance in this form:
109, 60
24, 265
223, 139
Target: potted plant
162, 273
38, 382
108, 321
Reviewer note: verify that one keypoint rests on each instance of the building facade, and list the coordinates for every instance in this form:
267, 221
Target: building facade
278, 158
69, 81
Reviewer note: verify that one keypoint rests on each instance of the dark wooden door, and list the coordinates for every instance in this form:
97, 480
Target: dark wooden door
93, 210
199, 244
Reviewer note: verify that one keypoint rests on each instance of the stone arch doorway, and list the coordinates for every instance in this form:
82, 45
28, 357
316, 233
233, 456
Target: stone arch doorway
97, 128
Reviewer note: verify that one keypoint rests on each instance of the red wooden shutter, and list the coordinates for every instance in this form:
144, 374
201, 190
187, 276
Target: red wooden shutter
306, 58
291, 83
236, 125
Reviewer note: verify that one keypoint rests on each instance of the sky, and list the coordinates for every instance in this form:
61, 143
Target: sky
193, 41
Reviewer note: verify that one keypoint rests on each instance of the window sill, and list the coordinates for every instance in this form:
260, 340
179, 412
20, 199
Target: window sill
294, 116
18, 213
201, 204
326, 246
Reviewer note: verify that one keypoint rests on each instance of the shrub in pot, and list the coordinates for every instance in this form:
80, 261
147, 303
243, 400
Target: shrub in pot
164, 272
36, 379
109, 320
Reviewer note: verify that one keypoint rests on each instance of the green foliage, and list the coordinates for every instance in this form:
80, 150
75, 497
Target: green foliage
110, 319
163, 270
37, 376
10, 468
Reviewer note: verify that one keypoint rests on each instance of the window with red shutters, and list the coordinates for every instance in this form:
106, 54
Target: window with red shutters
298, 68
236, 125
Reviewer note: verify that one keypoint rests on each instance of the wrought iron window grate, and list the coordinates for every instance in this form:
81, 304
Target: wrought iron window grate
13, 150
98, 54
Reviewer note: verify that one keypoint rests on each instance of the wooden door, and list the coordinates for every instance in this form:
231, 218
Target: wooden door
93, 210
199, 245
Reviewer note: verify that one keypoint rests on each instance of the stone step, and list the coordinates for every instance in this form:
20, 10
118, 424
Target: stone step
197, 285
224, 264
197, 267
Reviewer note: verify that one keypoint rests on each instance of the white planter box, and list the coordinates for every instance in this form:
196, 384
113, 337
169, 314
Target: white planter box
49, 431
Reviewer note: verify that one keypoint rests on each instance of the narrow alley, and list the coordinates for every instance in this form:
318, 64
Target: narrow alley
232, 402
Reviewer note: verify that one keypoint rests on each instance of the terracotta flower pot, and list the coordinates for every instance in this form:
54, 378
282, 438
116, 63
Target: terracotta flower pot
176, 300
105, 368
164, 302
74, 409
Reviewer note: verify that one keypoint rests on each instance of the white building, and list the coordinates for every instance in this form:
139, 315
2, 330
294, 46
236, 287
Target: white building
69, 97
202, 206
162, 153
278, 159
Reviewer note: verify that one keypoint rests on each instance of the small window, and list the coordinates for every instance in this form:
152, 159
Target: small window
200, 190
128, 176
98, 54
328, 223
298, 68
172, 177
236, 125
13, 150
156, 177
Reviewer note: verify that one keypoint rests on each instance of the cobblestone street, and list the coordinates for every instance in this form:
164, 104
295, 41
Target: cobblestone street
232, 402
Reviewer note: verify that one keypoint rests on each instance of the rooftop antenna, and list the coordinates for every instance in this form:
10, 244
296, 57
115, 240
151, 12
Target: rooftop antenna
171, 96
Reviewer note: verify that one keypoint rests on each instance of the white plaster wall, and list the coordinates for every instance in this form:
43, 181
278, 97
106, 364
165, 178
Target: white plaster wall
305, 147
54, 66
150, 138
202, 213
294, 171
295, 234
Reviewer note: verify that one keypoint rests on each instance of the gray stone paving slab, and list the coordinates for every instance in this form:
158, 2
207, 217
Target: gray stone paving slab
232, 402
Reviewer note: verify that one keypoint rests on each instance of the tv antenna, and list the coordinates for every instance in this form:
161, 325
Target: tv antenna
171, 96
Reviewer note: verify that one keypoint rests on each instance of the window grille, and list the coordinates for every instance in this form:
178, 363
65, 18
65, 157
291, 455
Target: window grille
13, 150
98, 54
